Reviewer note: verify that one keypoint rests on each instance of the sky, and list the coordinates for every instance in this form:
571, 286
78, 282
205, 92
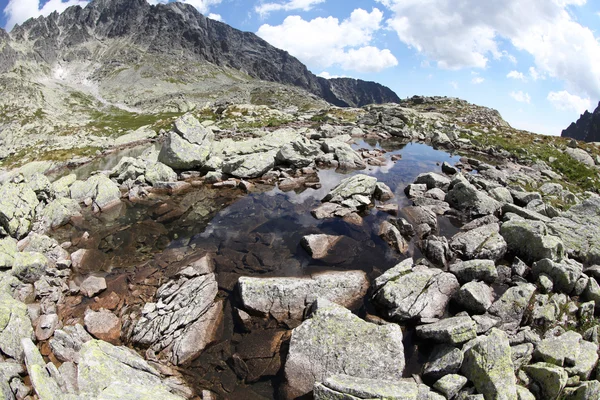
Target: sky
535, 61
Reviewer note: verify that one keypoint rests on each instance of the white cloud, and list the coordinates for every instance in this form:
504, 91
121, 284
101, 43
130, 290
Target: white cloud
327, 75
304, 5
535, 75
565, 101
521, 97
203, 6
477, 80
516, 75
324, 42
216, 17
19, 11
469, 33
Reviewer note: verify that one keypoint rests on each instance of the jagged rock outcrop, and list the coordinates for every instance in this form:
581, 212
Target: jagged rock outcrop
587, 127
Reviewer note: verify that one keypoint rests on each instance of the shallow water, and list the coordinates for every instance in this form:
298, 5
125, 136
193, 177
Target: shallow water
255, 234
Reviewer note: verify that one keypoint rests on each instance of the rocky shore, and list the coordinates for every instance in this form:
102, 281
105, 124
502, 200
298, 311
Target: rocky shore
503, 306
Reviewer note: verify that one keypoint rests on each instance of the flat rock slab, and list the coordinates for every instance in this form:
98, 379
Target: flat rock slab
348, 387
422, 293
453, 330
286, 298
335, 341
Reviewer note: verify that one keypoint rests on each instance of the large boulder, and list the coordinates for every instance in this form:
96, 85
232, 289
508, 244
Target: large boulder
551, 379
185, 317
29, 266
488, 364
189, 146
58, 213
443, 360
285, 298
335, 341
422, 293
511, 306
158, 172
530, 241
14, 326
99, 188
345, 155
357, 185
466, 198
475, 270
484, 242
18, 203
569, 350
475, 297
579, 230
299, 153
564, 274
250, 165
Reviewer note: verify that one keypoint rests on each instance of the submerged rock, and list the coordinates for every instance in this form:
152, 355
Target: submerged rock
285, 298
335, 341
185, 317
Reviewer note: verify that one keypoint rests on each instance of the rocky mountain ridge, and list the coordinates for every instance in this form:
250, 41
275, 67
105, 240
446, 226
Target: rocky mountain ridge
587, 127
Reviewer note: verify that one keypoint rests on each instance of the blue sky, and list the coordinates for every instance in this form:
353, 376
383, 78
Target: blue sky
536, 61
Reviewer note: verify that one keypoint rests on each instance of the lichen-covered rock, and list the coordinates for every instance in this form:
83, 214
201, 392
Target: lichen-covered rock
579, 230
29, 266
9, 371
345, 155
422, 293
14, 326
530, 241
159, 172
564, 274
335, 341
450, 385
466, 198
475, 297
58, 213
362, 185
103, 325
569, 350
453, 330
344, 387
480, 270
511, 306
189, 146
433, 180
393, 237
67, 342
18, 203
62, 186
551, 379
285, 298
103, 192
584, 391
250, 165
8, 250
489, 366
484, 242
443, 360
298, 153
437, 250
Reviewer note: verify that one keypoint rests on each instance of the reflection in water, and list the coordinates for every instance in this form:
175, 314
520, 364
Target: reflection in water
256, 234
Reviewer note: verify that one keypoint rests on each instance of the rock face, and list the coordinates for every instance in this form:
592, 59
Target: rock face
185, 316
587, 127
419, 293
180, 28
285, 298
489, 366
334, 341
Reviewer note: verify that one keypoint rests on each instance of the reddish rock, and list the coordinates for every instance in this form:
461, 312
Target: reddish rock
103, 325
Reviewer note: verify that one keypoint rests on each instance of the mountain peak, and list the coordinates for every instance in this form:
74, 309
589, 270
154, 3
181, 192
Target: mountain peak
587, 127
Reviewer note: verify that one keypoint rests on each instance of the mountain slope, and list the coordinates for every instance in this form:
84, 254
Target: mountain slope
587, 127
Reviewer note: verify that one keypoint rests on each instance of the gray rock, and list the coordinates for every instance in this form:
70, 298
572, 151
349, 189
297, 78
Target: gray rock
383, 192
299, 153
414, 190
29, 266
453, 330
335, 341
466, 198
450, 385
363, 185
579, 230
569, 350
8, 371
62, 186
58, 213
523, 198
14, 326
585, 391
444, 360
511, 306
347, 158
286, 298
484, 242
550, 378
66, 343
46, 325
159, 172
422, 293
502, 195
564, 275
530, 241
524, 213
489, 366
437, 250
18, 203
250, 165
449, 169
185, 317
521, 354
103, 192
433, 180
8, 250
480, 270
592, 292
475, 297
92, 285
402, 268
581, 156
343, 387
393, 237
